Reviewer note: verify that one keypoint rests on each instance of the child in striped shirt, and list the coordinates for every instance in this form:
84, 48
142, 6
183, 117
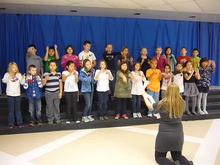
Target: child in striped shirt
33, 87
53, 93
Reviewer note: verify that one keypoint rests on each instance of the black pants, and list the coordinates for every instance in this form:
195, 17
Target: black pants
161, 159
71, 105
121, 106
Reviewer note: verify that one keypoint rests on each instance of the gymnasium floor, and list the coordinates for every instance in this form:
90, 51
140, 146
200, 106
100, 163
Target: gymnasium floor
133, 145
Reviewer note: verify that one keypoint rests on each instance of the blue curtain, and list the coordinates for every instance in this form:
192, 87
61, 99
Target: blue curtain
18, 31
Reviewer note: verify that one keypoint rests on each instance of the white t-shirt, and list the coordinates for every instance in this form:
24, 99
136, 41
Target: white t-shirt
13, 84
137, 86
90, 55
103, 80
70, 85
178, 80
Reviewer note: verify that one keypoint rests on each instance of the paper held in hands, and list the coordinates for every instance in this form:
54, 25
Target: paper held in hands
148, 99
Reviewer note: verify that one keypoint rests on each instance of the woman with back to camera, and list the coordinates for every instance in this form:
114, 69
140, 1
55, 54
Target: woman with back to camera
170, 136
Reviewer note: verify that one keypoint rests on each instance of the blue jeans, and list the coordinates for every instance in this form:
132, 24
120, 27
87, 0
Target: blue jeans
103, 103
35, 109
14, 109
155, 96
136, 103
88, 97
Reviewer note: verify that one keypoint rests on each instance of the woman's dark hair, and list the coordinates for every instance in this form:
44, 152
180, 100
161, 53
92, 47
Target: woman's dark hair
86, 42
67, 47
51, 47
136, 64
204, 59
85, 61
32, 45
168, 66
122, 63
167, 49
104, 62
69, 63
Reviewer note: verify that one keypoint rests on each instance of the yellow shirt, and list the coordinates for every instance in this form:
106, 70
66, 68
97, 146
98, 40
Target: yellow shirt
153, 75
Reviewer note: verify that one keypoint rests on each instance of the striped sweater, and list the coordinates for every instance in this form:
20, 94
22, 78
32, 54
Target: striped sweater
53, 83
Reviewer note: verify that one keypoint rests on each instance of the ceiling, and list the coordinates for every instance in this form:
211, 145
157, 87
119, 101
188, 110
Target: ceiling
193, 10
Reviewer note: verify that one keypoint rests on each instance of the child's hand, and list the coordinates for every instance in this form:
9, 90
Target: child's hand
124, 79
60, 95
55, 46
47, 48
46, 78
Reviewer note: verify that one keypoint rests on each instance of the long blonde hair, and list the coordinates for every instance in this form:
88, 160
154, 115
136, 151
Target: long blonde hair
173, 102
10, 65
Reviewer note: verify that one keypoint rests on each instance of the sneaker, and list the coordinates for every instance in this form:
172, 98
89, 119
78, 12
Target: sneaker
32, 123
157, 115
50, 122
90, 118
139, 115
85, 119
205, 112
150, 115
106, 118
77, 121
101, 118
67, 122
194, 113
117, 117
135, 115
20, 126
201, 112
39, 123
11, 126
58, 122
125, 116
188, 113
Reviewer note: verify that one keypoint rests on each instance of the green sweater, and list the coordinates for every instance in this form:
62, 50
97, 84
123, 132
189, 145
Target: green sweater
122, 89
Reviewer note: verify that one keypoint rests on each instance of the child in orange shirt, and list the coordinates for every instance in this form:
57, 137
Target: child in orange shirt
154, 76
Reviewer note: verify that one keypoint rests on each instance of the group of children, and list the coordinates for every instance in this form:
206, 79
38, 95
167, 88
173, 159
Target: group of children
124, 80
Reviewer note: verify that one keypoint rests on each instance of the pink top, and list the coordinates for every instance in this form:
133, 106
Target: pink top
67, 58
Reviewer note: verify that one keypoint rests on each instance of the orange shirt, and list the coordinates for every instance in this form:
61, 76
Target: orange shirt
153, 75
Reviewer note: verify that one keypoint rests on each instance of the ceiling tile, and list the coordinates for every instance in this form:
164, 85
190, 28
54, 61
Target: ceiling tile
187, 7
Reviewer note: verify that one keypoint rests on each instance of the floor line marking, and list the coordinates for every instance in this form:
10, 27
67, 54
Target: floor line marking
42, 150
208, 150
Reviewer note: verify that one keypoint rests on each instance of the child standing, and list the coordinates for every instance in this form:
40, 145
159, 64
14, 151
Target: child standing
86, 77
178, 77
51, 55
71, 92
122, 90
13, 80
144, 60
167, 79
171, 60
183, 58
102, 76
33, 59
195, 59
69, 56
33, 87
87, 54
53, 93
191, 91
154, 76
205, 70
137, 88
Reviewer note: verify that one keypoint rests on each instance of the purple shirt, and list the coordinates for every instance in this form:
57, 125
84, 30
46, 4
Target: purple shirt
72, 58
